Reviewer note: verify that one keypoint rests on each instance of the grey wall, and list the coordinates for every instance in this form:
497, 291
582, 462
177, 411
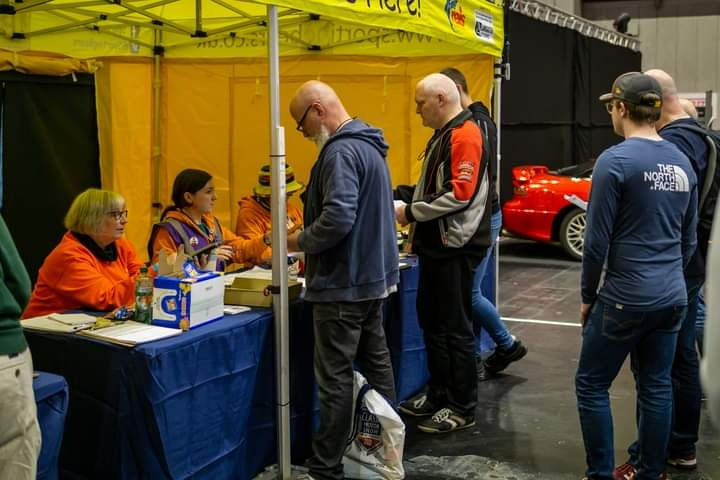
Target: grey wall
688, 48
570, 6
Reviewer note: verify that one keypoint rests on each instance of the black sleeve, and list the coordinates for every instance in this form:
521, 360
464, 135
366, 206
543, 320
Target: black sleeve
404, 193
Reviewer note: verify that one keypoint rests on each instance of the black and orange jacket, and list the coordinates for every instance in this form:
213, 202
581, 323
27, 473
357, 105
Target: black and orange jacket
451, 203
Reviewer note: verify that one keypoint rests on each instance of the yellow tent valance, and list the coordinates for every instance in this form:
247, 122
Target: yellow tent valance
234, 28
45, 63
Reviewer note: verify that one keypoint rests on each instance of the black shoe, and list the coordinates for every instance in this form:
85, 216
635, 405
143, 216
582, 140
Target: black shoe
500, 359
446, 420
482, 373
418, 406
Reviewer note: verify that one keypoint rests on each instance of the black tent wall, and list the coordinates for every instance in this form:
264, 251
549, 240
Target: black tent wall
550, 111
49, 155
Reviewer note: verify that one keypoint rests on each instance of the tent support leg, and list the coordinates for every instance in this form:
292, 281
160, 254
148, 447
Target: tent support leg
279, 251
497, 117
157, 125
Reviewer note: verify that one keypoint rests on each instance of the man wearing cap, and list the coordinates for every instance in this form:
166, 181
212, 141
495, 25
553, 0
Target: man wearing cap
254, 219
641, 219
351, 263
685, 373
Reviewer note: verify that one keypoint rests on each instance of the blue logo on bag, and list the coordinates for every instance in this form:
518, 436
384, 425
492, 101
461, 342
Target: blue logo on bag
369, 431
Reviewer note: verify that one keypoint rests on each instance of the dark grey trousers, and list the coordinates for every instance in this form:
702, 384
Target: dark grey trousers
345, 333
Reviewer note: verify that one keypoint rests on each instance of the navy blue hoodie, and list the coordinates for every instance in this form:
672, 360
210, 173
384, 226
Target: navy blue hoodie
350, 239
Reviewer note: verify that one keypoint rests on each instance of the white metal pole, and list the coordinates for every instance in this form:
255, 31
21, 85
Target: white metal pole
497, 103
157, 125
279, 251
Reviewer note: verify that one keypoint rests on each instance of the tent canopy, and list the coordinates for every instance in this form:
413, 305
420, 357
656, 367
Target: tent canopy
184, 83
212, 28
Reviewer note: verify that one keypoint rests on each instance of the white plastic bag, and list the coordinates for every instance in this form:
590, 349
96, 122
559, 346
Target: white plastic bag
377, 438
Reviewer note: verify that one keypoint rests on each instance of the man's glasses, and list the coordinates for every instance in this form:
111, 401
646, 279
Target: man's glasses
609, 106
300, 122
118, 214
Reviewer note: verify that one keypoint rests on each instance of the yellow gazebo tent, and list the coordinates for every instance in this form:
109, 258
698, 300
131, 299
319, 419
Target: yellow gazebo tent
178, 90
185, 83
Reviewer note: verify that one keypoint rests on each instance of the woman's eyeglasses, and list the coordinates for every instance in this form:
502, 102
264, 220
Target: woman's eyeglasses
118, 214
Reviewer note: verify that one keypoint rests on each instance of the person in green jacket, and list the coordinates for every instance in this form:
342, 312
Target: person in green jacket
20, 433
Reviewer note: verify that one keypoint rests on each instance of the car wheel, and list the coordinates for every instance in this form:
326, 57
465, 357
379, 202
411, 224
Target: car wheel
572, 233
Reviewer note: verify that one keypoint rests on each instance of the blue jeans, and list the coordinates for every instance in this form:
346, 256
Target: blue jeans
609, 335
484, 314
700, 321
687, 393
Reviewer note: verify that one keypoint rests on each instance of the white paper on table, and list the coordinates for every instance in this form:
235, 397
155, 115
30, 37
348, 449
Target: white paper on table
255, 272
72, 318
46, 324
132, 333
235, 309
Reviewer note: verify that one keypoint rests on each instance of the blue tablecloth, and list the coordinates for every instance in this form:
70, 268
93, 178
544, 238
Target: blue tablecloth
175, 408
202, 404
404, 336
51, 397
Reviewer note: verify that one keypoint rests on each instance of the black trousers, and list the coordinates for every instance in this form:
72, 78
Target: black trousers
345, 333
444, 308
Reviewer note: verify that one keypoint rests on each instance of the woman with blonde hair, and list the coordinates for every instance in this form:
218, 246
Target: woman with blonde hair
94, 266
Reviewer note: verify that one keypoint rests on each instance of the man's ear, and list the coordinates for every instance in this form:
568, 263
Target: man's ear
623, 110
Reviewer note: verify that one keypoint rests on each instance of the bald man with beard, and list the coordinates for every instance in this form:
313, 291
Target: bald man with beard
687, 393
450, 210
351, 263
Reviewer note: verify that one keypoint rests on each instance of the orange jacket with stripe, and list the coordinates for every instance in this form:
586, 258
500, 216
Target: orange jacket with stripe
73, 278
253, 220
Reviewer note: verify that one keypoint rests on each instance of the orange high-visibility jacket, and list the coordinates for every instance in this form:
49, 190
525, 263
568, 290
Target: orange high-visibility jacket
73, 278
253, 220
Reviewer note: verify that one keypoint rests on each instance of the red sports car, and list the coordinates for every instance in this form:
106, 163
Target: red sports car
549, 206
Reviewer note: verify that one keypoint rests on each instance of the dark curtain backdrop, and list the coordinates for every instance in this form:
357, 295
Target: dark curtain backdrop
49, 155
550, 112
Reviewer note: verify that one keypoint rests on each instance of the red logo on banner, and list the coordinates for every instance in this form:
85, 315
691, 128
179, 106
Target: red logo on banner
458, 17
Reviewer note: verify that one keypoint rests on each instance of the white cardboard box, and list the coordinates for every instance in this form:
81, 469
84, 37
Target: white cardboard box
198, 300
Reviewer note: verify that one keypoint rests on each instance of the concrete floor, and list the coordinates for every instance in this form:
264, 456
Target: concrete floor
527, 424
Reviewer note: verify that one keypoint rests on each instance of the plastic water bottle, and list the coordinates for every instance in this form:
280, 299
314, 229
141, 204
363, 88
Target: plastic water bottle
143, 297
212, 261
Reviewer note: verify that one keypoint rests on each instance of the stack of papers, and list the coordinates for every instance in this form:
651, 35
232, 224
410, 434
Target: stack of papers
60, 322
257, 272
131, 333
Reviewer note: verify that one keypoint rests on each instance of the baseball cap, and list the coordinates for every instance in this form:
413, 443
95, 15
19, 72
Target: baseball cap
636, 88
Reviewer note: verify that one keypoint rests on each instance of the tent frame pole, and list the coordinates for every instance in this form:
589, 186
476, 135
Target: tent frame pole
279, 251
157, 126
497, 117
